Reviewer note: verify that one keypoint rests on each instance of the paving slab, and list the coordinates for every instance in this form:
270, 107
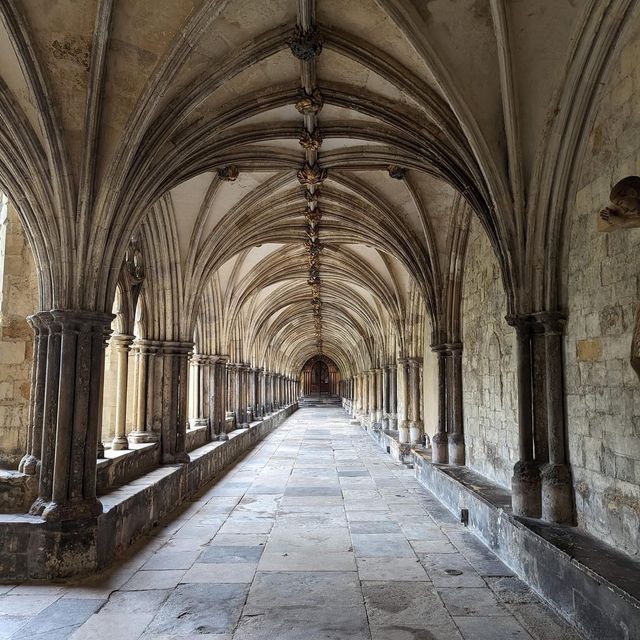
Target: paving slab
316, 534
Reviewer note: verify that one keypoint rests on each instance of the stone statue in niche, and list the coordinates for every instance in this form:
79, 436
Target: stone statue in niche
623, 211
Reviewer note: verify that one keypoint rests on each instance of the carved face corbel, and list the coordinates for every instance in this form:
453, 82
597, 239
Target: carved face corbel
623, 212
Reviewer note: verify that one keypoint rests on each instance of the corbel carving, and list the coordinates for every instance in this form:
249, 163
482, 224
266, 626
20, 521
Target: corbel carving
623, 212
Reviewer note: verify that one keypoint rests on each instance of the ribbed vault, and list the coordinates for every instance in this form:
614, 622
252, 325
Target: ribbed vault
229, 134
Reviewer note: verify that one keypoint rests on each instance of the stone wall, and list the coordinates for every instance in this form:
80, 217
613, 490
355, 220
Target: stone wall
18, 299
488, 365
602, 296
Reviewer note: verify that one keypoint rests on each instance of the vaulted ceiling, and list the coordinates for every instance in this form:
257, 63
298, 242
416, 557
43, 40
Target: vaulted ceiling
421, 113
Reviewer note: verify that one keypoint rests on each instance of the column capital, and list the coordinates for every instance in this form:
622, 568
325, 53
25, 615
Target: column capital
145, 347
553, 321
453, 348
122, 342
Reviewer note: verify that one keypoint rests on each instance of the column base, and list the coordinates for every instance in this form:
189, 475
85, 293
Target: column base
385, 422
29, 465
439, 448
456, 448
557, 506
403, 432
198, 422
223, 437
142, 437
393, 422
80, 510
525, 490
119, 444
416, 432
100, 450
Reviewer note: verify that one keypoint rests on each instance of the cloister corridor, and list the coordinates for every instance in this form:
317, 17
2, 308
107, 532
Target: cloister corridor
317, 534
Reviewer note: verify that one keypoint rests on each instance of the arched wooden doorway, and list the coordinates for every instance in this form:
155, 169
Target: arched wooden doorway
320, 376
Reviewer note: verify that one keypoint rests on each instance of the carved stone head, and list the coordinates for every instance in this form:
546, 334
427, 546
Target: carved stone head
624, 209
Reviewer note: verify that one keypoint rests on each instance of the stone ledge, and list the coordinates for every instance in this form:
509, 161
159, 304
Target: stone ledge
32, 549
123, 466
594, 586
196, 437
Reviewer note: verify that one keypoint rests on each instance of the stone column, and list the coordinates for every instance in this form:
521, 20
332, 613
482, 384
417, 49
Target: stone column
30, 463
525, 484
393, 397
385, 396
403, 420
416, 428
372, 397
170, 399
121, 346
71, 404
145, 351
557, 504
250, 373
237, 395
379, 398
197, 388
218, 397
263, 392
455, 435
439, 442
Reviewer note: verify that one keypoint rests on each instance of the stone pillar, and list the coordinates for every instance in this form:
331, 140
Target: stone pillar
455, 428
237, 395
70, 410
403, 420
197, 388
263, 392
251, 393
170, 399
557, 504
121, 346
393, 397
385, 396
371, 413
439, 442
416, 428
144, 351
525, 484
379, 398
30, 463
217, 397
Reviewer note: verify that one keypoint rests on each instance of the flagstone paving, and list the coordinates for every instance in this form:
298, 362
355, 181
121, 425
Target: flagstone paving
316, 534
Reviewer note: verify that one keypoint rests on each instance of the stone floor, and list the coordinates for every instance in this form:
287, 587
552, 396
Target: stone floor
316, 534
